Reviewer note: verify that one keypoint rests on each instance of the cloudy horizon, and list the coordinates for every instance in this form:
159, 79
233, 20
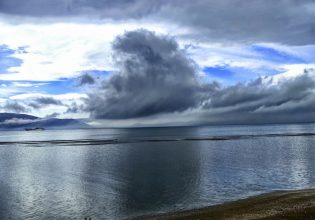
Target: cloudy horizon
163, 63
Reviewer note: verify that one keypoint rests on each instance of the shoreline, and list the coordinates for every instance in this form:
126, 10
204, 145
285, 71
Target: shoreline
297, 205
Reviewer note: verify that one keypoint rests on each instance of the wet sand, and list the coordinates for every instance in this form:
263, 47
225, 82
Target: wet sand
297, 205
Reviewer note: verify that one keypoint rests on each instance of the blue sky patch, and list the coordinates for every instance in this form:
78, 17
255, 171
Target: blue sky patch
62, 86
271, 54
70, 85
6, 59
231, 75
50, 87
219, 71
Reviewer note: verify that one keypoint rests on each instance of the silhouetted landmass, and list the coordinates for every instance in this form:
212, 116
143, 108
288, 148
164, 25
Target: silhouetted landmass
11, 121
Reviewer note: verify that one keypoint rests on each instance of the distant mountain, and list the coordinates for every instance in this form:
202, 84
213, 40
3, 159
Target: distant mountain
8, 116
55, 123
11, 121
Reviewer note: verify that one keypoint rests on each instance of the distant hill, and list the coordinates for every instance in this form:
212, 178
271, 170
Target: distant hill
7, 116
11, 121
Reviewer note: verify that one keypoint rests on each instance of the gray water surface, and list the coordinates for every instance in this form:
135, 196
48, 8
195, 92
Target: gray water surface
123, 173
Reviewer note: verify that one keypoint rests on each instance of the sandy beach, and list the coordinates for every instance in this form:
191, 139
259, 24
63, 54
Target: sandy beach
297, 205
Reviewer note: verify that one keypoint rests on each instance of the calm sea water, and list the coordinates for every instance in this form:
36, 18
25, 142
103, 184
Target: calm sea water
123, 173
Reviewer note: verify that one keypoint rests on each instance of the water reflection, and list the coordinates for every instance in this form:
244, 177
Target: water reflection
158, 176
140, 178
118, 181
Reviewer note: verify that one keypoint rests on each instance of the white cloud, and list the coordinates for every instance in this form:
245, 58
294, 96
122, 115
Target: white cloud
16, 121
62, 50
294, 70
6, 91
26, 84
62, 97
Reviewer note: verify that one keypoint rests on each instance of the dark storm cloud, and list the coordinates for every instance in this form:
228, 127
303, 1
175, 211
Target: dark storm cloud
86, 79
14, 106
292, 100
75, 108
155, 76
53, 115
117, 9
41, 102
283, 21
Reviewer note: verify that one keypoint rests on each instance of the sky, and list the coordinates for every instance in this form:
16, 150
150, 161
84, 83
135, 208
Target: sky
159, 63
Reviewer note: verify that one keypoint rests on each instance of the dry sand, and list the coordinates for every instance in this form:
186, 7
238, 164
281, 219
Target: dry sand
297, 205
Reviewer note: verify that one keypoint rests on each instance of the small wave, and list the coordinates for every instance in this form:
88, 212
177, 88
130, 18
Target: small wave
79, 142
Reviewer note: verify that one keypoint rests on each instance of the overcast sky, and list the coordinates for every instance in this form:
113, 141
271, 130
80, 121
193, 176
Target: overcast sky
178, 62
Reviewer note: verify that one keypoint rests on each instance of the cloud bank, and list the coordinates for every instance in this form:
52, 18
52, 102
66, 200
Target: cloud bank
156, 77
49, 49
282, 21
156, 81
262, 101
43, 105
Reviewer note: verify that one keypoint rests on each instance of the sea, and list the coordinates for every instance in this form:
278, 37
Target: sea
132, 172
